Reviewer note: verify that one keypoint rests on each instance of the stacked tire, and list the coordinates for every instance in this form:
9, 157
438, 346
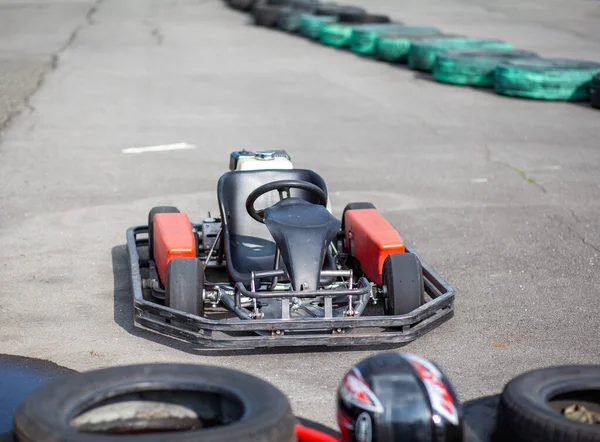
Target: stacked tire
289, 18
394, 48
364, 40
339, 34
311, 25
423, 53
266, 12
546, 78
474, 67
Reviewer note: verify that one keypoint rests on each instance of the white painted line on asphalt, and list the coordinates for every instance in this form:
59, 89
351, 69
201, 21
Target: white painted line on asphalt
540, 168
479, 180
159, 148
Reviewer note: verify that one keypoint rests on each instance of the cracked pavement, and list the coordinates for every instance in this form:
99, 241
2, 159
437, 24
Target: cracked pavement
448, 166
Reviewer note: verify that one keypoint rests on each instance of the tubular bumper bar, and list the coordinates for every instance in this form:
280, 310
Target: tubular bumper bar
334, 331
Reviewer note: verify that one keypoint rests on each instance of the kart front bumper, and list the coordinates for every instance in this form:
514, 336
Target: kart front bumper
337, 331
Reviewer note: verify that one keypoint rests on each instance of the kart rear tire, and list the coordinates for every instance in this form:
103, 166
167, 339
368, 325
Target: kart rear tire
403, 282
184, 287
242, 406
154, 211
529, 403
355, 206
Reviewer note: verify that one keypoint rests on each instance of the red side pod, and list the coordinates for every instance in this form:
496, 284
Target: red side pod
307, 434
173, 238
373, 239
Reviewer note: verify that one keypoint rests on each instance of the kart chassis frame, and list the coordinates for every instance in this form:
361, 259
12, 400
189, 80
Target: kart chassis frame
333, 329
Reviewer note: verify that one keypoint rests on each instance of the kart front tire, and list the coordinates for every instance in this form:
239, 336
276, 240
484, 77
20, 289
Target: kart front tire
154, 211
185, 285
403, 282
229, 405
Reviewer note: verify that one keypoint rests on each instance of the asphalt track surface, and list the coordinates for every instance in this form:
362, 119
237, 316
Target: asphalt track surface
499, 195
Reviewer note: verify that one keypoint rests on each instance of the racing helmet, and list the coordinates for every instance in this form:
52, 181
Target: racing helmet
396, 396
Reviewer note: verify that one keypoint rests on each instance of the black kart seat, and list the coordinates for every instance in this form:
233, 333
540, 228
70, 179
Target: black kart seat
303, 232
248, 244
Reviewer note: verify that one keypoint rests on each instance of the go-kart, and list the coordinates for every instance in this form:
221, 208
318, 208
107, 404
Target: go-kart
277, 268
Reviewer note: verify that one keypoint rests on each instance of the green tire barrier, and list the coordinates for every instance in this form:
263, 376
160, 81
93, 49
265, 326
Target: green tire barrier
336, 34
546, 78
364, 41
311, 25
340, 34
422, 53
595, 92
395, 47
473, 67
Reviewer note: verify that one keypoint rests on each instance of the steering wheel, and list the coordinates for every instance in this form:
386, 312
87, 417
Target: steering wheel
283, 187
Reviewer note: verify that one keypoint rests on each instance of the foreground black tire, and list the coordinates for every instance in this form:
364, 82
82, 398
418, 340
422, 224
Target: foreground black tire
185, 285
531, 405
229, 405
154, 211
403, 281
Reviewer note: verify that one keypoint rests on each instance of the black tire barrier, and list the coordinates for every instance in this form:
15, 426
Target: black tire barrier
266, 15
242, 5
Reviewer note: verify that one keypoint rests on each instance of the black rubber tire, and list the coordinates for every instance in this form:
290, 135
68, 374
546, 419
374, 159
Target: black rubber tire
403, 281
525, 413
266, 414
595, 92
555, 79
329, 8
242, 5
334, 9
154, 211
354, 17
355, 206
266, 15
184, 286
473, 66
